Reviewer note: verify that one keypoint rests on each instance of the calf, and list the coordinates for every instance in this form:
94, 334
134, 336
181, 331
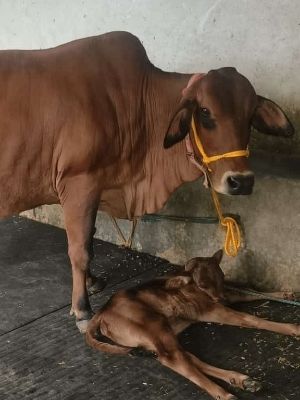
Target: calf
152, 314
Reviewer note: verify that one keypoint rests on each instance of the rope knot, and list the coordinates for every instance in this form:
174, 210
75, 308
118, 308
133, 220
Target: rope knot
233, 236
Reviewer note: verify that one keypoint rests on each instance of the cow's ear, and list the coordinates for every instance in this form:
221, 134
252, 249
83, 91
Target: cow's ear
180, 123
269, 118
181, 120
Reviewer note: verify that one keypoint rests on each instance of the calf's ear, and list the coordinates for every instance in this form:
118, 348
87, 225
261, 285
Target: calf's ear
218, 256
269, 118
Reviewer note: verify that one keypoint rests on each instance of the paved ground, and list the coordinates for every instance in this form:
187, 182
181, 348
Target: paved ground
42, 356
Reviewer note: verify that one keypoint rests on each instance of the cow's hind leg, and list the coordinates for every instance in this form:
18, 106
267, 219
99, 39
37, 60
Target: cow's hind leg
93, 283
79, 198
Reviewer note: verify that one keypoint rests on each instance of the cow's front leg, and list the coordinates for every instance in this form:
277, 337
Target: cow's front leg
80, 199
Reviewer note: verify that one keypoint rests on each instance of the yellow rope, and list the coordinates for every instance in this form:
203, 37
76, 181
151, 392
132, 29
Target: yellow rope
208, 159
125, 242
232, 241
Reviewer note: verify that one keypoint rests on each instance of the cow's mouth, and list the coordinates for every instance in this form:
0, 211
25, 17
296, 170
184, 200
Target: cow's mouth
236, 183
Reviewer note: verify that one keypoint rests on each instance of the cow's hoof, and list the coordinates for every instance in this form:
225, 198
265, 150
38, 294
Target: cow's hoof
83, 321
82, 325
251, 385
95, 284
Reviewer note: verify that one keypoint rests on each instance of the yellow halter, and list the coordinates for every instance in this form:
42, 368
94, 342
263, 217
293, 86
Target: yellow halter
233, 235
208, 159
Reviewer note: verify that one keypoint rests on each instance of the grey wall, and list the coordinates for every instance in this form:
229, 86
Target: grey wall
259, 37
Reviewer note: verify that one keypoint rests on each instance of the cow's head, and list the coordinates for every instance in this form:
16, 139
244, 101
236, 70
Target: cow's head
225, 106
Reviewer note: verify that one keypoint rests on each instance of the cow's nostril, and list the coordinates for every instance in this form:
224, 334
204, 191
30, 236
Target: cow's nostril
233, 182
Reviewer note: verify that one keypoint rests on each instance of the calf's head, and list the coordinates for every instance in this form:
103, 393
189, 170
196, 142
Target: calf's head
224, 106
207, 275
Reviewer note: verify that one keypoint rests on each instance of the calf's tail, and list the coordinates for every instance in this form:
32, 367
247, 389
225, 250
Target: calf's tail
91, 340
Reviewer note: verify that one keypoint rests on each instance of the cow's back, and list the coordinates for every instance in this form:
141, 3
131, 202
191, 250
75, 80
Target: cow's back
61, 109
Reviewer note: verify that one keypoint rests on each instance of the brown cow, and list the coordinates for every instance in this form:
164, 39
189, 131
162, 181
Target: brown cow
84, 124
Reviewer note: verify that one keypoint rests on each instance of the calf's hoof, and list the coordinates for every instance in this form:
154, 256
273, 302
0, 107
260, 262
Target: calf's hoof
288, 295
251, 385
297, 330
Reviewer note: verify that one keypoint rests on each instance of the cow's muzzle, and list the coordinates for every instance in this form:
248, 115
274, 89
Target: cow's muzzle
240, 184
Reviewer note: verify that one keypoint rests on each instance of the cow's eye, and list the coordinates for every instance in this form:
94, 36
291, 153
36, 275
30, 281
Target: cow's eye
206, 119
205, 112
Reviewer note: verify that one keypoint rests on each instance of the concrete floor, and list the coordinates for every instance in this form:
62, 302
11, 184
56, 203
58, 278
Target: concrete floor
42, 355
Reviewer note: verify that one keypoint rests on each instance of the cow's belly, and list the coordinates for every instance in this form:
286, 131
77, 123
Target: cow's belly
20, 191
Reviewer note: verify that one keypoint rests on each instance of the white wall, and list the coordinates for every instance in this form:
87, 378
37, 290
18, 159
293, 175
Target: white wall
260, 37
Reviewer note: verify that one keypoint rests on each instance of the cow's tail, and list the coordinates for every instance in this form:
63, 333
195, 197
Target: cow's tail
91, 340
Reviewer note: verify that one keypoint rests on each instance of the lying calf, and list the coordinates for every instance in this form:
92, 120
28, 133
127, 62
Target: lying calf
152, 314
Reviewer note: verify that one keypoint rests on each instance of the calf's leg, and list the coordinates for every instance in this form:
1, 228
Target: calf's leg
171, 355
227, 316
232, 377
234, 296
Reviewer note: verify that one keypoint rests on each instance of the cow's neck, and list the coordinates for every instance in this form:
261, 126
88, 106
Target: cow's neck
163, 95
167, 168
153, 172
